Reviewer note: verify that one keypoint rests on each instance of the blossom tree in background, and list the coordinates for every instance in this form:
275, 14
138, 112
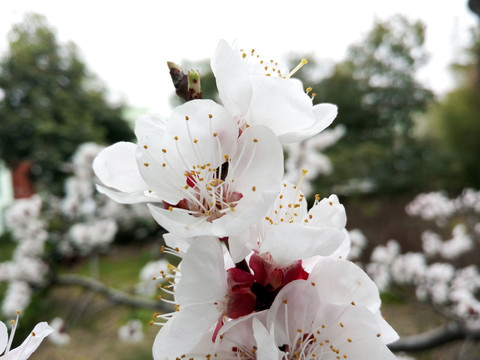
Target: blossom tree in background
444, 274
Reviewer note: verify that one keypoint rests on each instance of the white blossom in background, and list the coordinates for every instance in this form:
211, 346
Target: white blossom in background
432, 206
308, 155
93, 236
17, 297
408, 268
59, 336
131, 332
149, 282
358, 243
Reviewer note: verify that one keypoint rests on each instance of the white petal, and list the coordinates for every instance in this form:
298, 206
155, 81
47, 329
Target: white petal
179, 242
280, 104
292, 242
184, 331
242, 244
232, 78
389, 335
31, 343
3, 337
181, 223
324, 114
329, 212
247, 212
346, 283
266, 346
258, 161
117, 168
126, 197
204, 279
150, 124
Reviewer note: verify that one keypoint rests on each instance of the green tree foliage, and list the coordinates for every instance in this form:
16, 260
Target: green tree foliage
378, 98
51, 103
455, 120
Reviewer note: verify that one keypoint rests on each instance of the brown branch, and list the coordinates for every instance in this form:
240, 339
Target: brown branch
442, 335
116, 296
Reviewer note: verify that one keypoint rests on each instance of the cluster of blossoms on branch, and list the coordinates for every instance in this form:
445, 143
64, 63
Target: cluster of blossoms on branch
442, 273
261, 275
47, 229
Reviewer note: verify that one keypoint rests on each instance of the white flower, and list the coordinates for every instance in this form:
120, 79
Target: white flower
258, 92
59, 335
291, 232
26, 349
335, 312
209, 180
147, 285
17, 296
131, 332
199, 296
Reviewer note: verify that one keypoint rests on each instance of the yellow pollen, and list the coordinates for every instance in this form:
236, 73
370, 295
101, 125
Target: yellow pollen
353, 303
349, 340
175, 137
255, 140
12, 322
285, 301
341, 324
164, 151
244, 55
313, 283
215, 134
186, 117
164, 164
146, 164
195, 141
170, 208
331, 203
33, 333
308, 89
226, 157
254, 188
145, 147
210, 116
378, 335
150, 323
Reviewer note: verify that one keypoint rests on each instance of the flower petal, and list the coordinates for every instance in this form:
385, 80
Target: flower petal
232, 78
127, 197
117, 168
346, 283
3, 337
290, 242
31, 343
180, 222
323, 114
282, 105
204, 279
183, 331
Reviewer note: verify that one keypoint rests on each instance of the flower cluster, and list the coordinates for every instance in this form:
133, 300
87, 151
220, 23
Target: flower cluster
261, 275
434, 272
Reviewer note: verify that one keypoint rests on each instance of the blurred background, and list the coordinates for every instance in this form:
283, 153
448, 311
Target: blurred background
74, 76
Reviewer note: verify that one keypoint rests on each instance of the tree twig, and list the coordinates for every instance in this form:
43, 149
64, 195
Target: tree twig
442, 335
116, 296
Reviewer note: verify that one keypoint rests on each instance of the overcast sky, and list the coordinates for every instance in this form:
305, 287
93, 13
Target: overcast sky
127, 43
